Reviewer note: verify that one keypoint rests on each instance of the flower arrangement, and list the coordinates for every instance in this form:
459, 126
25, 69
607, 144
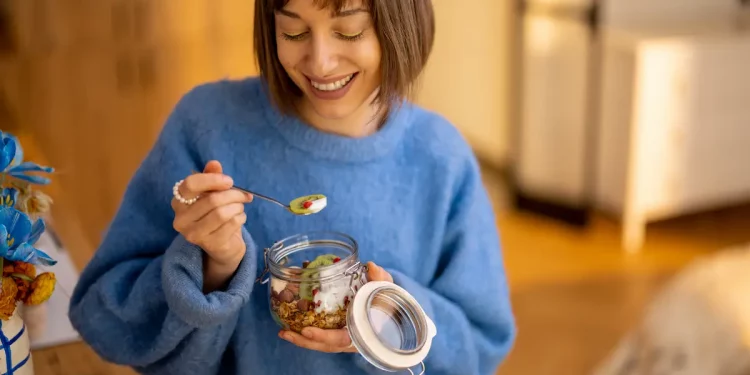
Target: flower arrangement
21, 225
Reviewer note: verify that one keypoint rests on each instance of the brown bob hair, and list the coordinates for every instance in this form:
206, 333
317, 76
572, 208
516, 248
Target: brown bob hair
405, 29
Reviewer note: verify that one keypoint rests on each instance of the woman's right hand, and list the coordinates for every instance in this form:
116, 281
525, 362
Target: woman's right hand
214, 222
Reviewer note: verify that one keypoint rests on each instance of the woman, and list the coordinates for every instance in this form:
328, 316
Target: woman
171, 288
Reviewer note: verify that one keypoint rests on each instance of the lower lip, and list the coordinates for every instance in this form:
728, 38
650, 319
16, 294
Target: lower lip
335, 94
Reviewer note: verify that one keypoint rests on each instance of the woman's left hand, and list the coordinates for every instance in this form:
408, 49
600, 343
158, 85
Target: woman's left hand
332, 340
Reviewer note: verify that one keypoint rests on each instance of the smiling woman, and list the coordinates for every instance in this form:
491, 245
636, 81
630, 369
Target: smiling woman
324, 61
172, 288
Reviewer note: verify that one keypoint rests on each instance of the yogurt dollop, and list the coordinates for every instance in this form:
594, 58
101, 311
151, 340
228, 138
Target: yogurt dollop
309, 204
333, 296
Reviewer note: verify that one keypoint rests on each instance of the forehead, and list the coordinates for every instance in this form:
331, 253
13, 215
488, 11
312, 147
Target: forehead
334, 5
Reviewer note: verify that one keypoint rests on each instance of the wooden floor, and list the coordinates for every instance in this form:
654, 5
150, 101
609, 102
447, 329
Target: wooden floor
574, 292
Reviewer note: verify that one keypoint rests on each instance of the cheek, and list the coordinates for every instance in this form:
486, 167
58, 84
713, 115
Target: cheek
368, 57
288, 55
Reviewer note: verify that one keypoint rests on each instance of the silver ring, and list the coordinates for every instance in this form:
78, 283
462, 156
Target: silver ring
176, 193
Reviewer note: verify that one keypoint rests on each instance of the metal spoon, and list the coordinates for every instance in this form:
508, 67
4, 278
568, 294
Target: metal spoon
305, 205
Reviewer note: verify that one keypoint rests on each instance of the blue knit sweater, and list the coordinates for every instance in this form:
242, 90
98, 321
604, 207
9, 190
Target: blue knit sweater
430, 224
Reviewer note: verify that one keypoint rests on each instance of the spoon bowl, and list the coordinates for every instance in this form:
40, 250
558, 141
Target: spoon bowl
304, 205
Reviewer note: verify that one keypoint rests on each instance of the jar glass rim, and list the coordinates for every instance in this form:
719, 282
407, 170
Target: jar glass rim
303, 241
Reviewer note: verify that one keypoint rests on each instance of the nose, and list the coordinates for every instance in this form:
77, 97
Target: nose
323, 57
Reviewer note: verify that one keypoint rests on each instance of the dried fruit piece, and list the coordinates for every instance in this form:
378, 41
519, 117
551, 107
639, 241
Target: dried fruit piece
303, 305
306, 204
286, 296
336, 260
293, 287
8, 298
41, 288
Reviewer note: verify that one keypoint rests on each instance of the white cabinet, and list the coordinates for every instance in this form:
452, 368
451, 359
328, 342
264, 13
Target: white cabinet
674, 123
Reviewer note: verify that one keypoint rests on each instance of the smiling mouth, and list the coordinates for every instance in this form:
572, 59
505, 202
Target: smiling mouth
332, 86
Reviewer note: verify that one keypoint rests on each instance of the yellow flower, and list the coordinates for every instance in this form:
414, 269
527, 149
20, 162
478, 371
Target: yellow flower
34, 203
8, 298
41, 289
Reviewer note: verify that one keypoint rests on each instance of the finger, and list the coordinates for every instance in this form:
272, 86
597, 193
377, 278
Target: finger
336, 338
213, 166
306, 343
217, 217
196, 226
377, 273
228, 229
200, 183
214, 200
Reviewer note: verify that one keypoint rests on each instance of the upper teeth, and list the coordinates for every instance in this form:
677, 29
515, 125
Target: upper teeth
333, 85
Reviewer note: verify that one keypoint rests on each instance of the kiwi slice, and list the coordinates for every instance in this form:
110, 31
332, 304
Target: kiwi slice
306, 287
322, 261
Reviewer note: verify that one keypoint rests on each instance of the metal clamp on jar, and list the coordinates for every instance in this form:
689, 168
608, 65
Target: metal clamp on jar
317, 280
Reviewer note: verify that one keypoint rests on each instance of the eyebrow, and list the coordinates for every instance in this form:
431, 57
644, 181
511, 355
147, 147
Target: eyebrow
345, 13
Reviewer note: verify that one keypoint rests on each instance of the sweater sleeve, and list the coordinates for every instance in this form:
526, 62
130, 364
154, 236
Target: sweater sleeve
468, 297
139, 302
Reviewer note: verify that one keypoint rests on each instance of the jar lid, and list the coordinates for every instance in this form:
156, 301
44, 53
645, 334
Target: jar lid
388, 327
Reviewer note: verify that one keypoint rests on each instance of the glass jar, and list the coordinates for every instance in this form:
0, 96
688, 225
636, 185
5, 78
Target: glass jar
313, 279
317, 280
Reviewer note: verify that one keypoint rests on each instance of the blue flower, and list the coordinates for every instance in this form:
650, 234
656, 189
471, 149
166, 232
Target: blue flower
11, 161
10, 155
8, 197
18, 236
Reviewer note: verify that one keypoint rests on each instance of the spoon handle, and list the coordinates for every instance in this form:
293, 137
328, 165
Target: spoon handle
260, 196
255, 194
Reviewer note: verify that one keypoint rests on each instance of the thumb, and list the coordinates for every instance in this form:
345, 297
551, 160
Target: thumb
213, 166
377, 273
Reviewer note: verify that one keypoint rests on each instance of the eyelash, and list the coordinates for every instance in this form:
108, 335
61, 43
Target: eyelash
298, 37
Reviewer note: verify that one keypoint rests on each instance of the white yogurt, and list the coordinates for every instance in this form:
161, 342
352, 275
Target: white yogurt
278, 285
332, 296
318, 204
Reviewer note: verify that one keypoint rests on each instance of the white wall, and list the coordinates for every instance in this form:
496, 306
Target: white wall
624, 12
467, 79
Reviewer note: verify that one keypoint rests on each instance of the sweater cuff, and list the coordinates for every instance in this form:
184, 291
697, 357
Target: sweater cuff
182, 281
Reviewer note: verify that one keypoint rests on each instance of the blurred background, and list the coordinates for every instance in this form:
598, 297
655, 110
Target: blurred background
614, 134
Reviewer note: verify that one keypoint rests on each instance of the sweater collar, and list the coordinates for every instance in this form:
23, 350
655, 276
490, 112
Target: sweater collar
341, 148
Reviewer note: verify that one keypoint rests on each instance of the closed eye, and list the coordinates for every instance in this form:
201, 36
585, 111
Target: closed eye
350, 37
294, 37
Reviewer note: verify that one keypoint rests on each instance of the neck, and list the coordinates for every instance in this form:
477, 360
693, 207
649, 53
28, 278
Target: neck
365, 121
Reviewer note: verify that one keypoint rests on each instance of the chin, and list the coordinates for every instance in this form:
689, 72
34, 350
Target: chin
333, 111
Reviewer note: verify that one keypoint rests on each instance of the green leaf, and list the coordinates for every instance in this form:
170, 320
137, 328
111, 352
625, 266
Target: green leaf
22, 276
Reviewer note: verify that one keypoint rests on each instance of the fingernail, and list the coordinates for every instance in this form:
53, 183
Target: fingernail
228, 180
